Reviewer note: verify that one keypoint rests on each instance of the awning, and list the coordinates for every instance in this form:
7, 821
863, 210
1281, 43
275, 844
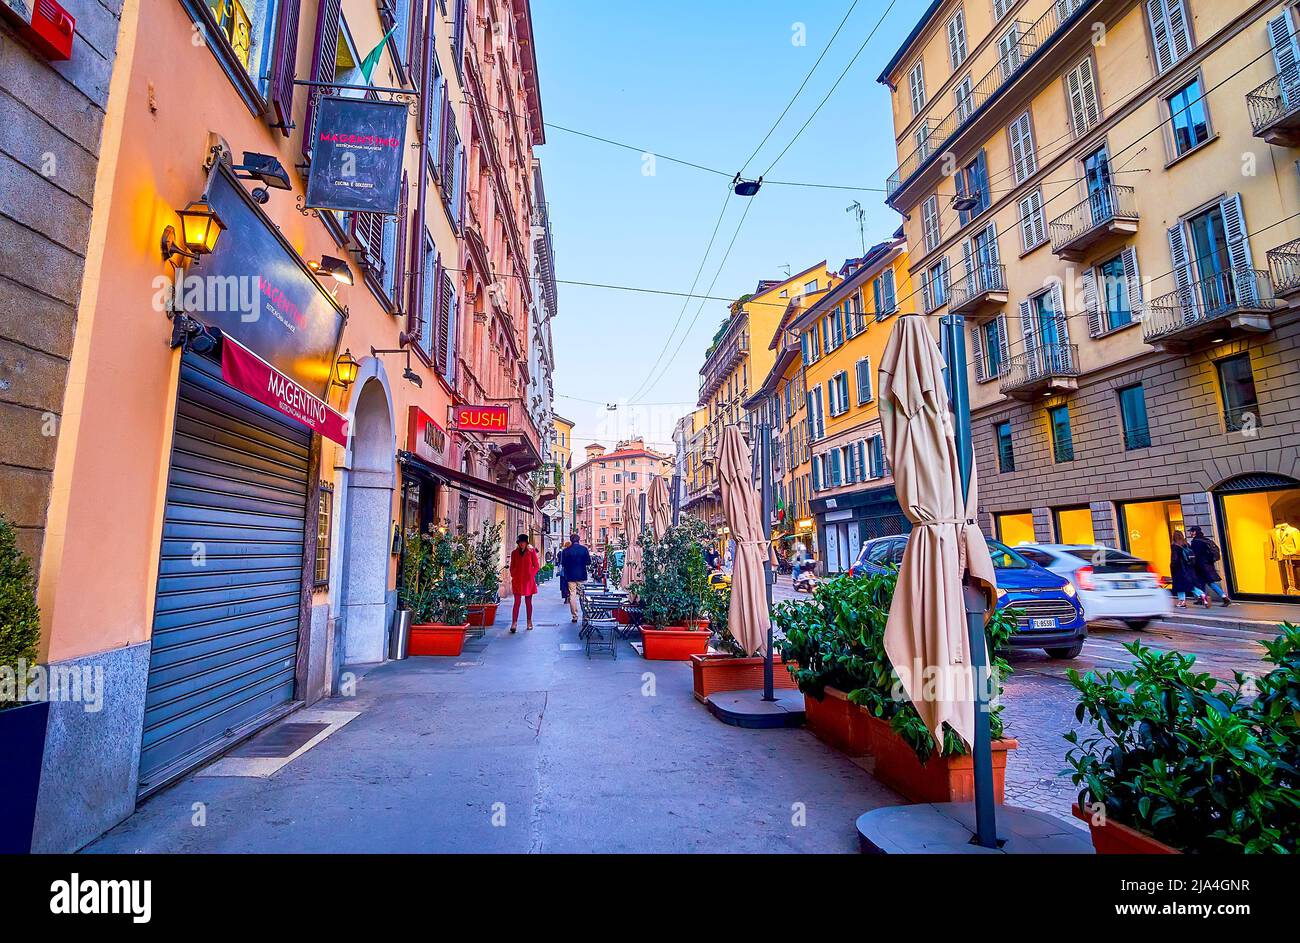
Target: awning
245, 370
466, 482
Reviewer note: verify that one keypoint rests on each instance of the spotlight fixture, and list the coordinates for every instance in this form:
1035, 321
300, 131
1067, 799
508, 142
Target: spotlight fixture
337, 269
743, 187
413, 377
200, 228
346, 367
265, 169
964, 204
408, 374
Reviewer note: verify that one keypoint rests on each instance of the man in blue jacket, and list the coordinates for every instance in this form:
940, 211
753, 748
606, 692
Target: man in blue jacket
574, 560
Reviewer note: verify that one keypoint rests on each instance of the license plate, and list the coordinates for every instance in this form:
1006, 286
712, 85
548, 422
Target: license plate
1042, 623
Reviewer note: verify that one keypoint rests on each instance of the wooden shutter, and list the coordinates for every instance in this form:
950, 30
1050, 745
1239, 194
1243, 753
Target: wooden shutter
399, 253
323, 59
1182, 263
415, 42
1157, 16
447, 147
1180, 35
930, 219
1031, 220
1027, 329
837, 469
1282, 37
1058, 313
1004, 344
1081, 90
1024, 162
957, 40
891, 300
916, 88
284, 64
1091, 302
1242, 278
977, 354
458, 34
368, 232
816, 473
447, 322
1129, 259
982, 182
438, 334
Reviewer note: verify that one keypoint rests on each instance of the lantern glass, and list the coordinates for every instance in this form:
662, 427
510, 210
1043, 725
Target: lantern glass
347, 369
200, 227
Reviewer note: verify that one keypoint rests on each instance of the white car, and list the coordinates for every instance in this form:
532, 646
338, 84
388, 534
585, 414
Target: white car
1111, 583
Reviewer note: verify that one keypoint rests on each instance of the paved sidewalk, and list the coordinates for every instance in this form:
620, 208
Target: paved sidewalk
567, 754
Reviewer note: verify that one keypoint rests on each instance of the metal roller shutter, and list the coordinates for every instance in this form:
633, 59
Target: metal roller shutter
225, 629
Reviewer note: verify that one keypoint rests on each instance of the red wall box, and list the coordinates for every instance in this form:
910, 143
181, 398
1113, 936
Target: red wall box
44, 24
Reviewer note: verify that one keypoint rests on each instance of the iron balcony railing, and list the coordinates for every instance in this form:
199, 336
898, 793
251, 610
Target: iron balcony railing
1204, 301
1063, 446
1276, 99
1039, 364
1099, 208
1012, 58
1284, 267
982, 279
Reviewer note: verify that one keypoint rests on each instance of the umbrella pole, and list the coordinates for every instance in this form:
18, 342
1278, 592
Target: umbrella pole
765, 490
976, 604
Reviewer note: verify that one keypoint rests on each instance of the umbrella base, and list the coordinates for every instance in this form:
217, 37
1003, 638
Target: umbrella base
748, 709
946, 828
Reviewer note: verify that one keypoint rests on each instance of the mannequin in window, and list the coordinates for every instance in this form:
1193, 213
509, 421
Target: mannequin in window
1283, 545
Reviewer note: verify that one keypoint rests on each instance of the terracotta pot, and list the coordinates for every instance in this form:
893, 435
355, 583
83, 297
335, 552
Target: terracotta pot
699, 625
433, 639
938, 779
837, 721
674, 644
717, 672
1114, 838
482, 614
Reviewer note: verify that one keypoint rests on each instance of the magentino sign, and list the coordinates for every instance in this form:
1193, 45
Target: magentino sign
356, 155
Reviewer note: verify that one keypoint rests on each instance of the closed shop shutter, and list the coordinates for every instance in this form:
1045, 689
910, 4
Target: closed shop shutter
225, 629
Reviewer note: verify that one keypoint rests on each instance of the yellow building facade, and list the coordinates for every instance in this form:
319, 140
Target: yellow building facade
1106, 193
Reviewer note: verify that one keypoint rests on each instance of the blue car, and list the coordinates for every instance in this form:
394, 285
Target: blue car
1051, 617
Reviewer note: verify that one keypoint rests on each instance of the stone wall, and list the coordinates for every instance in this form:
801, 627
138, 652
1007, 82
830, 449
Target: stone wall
51, 118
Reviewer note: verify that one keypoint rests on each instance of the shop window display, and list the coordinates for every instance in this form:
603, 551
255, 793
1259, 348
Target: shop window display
1263, 537
1074, 526
1148, 530
1016, 528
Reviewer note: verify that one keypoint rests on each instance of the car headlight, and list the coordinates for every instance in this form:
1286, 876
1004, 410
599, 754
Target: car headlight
1069, 589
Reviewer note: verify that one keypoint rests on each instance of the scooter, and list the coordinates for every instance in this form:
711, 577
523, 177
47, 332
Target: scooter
805, 581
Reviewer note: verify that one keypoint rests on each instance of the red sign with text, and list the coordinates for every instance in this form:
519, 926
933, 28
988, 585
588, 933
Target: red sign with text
424, 437
246, 371
480, 418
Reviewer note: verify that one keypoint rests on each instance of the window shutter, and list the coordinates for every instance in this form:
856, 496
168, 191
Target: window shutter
458, 34
415, 42
1234, 227
1081, 89
877, 457
1004, 344
1027, 326
1156, 14
1090, 302
368, 233
977, 354
1058, 313
850, 465
447, 149
452, 302
322, 64
1182, 263
1180, 35
891, 298
1024, 161
283, 67
1009, 57
816, 473
1282, 37
837, 470
438, 330
982, 182
957, 40
930, 220
878, 296
399, 254
1129, 259
1032, 229
916, 88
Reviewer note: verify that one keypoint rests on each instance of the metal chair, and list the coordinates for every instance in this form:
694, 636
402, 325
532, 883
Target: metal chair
600, 630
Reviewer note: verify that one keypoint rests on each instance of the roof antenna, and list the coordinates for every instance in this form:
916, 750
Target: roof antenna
857, 209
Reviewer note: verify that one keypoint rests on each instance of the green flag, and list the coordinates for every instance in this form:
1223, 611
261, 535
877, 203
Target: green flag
372, 60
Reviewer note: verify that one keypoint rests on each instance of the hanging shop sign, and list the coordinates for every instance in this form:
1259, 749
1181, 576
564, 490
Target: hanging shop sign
255, 288
480, 418
244, 370
356, 155
424, 437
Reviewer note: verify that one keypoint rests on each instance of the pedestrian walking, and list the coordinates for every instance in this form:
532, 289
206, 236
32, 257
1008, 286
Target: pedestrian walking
1182, 569
523, 579
574, 560
1208, 555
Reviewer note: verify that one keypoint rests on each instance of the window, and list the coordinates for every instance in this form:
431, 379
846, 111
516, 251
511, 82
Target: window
1189, 123
884, 294
863, 369
877, 466
930, 223
324, 517
1109, 294
1024, 161
921, 136
936, 285
1015, 528
1009, 52
1033, 228
252, 38
1171, 37
964, 99
1006, 451
1081, 96
989, 346
617, 478
810, 286
1000, 8
957, 40
1133, 416
1237, 387
1058, 418
973, 183
428, 309
837, 393
916, 88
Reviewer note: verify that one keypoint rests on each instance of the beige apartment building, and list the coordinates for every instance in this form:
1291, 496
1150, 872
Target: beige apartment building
1107, 193
609, 479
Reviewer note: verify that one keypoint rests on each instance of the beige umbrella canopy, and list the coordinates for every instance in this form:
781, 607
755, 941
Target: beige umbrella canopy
658, 510
748, 618
632, 557
925, 637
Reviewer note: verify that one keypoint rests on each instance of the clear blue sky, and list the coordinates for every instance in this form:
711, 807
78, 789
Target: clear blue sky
701, 81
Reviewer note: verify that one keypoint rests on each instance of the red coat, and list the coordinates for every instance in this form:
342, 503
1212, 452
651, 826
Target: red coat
523, 572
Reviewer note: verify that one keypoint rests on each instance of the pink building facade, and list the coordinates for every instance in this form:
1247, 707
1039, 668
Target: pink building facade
606, 481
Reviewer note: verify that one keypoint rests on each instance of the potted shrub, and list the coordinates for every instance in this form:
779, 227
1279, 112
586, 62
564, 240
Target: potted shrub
834, 649
670, 592
1178, 761
433, 589
731, 668
22, 724
480, 558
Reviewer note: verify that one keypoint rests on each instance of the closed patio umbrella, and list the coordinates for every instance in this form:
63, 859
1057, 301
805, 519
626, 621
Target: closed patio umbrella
748, 618
926, 635
659, 510
632, 557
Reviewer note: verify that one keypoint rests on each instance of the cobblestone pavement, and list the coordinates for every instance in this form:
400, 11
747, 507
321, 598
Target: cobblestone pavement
1038, 711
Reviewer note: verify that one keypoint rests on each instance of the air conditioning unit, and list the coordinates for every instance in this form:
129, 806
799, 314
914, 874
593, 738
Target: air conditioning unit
45, 25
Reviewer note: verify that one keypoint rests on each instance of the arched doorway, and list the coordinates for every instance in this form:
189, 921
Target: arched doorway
1259, 517
367, 527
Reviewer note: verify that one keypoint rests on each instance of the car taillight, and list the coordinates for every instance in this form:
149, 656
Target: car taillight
1083, 577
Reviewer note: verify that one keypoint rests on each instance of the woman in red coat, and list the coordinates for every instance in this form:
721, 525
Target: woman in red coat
523, 579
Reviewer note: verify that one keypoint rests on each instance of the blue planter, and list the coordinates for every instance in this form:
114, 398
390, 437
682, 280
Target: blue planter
22, 748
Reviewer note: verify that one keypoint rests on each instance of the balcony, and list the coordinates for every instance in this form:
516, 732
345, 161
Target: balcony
520, 447
1107, 214
982, 291
1228, 304
1274, 109
1011, 62
1284, 267
1042, 371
